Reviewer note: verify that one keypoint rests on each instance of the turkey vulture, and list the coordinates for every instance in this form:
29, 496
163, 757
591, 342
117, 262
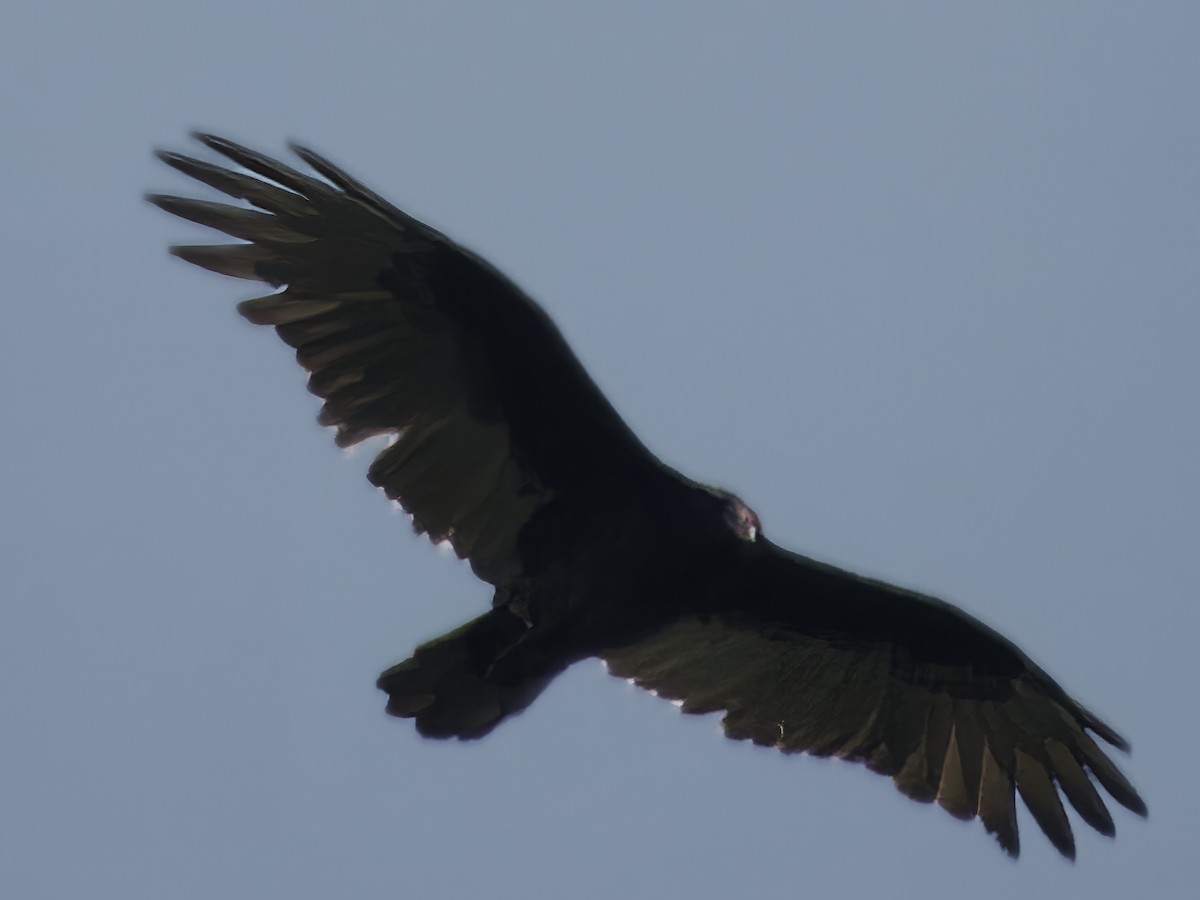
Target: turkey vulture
501, 445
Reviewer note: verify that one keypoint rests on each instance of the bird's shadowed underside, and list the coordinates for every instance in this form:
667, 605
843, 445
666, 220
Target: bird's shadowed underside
502, 446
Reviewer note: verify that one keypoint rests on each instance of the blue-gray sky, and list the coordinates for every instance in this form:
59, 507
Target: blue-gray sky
919, 281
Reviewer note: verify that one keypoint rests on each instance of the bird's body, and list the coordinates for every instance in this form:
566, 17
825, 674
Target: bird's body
596, 577
504, 447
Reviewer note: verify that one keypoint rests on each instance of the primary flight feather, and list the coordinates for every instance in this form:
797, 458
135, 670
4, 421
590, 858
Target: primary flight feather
503, 446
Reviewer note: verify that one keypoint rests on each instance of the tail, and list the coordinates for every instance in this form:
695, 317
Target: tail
463, 684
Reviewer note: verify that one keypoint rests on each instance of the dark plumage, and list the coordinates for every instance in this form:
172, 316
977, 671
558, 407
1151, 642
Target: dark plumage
503, 446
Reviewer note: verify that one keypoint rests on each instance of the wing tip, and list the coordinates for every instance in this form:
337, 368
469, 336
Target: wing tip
1009, 843
173, 158
1135, 805
224, 146
1109, 734
1064, 843
300, 149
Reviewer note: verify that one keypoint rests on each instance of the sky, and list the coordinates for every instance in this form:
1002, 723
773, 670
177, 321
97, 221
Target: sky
918, 281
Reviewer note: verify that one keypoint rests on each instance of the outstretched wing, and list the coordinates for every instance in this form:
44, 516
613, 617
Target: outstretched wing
809, 658
409, 335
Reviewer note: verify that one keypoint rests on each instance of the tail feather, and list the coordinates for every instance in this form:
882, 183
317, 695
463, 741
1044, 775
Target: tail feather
456, 686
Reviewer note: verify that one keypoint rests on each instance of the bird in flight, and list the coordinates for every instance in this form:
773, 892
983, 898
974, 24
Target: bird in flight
501, 445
